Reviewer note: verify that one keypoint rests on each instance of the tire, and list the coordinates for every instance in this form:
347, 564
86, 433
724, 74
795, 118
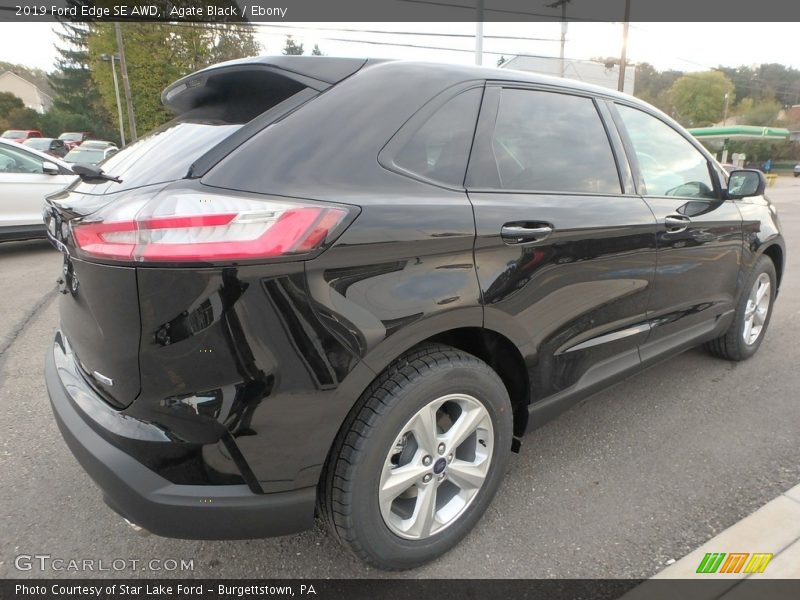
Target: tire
732, 345
372, 445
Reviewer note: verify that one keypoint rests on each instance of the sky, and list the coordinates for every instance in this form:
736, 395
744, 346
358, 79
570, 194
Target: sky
681, 46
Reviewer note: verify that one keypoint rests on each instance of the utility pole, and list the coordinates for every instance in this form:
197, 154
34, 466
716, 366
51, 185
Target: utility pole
623, 56
563, 36
725, 114
111, 58
126, 83
479, 34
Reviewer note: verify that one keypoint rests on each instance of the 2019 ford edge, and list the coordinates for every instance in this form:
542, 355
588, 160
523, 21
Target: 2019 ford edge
347, 288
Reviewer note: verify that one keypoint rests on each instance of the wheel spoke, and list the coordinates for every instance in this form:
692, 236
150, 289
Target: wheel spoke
399, 480
465, 425
424, 512
748, 328
467, 475
424, 428
762, 290
757, 309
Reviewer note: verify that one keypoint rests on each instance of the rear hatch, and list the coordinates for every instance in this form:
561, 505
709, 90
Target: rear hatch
216, 109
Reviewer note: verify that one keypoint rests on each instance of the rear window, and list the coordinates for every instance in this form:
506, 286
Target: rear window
168, 152
14, 135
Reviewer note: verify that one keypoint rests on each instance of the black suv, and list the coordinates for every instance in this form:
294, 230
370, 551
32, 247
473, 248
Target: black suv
347, 288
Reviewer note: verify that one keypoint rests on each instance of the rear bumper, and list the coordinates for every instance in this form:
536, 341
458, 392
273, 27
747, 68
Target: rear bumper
157, 505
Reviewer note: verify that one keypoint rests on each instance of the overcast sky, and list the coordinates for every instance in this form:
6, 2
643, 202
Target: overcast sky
682, 46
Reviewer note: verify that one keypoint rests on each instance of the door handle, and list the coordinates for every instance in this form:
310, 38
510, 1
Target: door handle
677, 223
522, 233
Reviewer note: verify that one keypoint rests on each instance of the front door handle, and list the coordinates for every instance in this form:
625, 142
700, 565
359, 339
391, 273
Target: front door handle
522, 233
677, 223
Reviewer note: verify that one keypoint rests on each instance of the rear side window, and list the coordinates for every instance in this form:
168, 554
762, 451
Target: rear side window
547, 141
668, 163
439, 149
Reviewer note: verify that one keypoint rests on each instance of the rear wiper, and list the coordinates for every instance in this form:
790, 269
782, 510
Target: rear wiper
93, 173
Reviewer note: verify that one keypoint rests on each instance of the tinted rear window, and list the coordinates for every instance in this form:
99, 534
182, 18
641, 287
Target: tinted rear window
167, 153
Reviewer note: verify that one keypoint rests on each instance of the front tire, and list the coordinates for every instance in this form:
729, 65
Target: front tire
753, 313
419, 459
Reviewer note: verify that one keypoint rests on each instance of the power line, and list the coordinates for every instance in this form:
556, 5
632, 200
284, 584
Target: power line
429, 47
555, 18
429, 34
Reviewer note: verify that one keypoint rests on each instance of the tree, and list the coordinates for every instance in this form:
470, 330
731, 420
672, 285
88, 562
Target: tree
157, 54
14, 114
19, 118
9, 102
501, 60
316, 51
77, 103
292, 48
763, 113
699, 98
653, 86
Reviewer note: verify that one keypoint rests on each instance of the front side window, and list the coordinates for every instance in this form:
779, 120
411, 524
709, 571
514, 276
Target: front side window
439, 149
548, 142
668, 163
15, 161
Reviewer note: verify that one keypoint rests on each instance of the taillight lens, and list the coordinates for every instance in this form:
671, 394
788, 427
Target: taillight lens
199, 227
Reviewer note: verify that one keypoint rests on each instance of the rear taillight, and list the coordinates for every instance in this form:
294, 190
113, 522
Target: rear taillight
200, 227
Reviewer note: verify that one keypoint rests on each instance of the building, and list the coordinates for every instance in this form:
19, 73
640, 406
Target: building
588, 71
26, 91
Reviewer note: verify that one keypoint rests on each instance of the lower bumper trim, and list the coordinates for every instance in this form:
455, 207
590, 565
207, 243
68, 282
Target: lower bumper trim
167, 509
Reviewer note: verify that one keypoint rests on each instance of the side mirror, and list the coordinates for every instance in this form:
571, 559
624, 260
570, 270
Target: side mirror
49, 168
746, 182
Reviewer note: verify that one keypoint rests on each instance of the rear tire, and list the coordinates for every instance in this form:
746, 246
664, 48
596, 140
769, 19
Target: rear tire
753, 313
440, 415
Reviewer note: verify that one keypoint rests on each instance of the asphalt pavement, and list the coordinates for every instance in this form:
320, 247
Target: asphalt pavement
632, 479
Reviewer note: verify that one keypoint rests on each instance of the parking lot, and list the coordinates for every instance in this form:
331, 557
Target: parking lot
638, 475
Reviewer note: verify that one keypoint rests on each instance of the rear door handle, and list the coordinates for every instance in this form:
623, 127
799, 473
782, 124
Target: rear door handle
522, 233
677, 223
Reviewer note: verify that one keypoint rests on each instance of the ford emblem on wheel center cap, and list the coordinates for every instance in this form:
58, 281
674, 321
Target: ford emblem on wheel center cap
439, 466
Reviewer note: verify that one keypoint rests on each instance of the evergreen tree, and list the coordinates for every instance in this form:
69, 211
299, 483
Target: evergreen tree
316, 51
76, 100
292, 48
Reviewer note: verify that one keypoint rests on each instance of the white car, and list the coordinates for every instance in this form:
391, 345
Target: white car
26, 177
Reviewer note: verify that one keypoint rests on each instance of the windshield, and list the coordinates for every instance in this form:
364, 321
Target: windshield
70, 137
84, 156
38, 143
14, 135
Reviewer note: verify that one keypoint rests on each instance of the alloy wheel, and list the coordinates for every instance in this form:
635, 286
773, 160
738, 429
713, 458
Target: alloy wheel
436, 466
757, 309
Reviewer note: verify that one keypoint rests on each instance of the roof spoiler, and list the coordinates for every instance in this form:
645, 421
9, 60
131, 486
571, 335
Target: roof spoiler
201, 87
